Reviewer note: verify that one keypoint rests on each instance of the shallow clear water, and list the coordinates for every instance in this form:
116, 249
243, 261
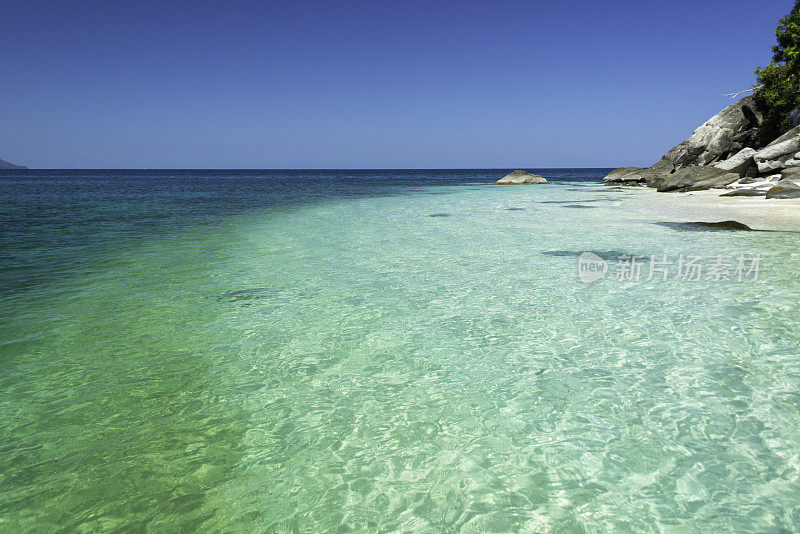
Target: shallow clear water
379, 351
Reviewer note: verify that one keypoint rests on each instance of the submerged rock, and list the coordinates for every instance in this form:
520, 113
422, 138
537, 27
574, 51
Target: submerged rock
520, 178
700, 226
784, 189
727, 225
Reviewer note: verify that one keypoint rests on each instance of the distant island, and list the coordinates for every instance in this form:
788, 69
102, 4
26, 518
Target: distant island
6, 165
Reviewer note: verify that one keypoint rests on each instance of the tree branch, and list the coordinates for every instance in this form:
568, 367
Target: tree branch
734, 95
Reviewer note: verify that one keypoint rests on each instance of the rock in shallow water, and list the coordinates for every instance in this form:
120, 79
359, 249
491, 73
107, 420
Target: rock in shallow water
727, 225
705, 226
520, 178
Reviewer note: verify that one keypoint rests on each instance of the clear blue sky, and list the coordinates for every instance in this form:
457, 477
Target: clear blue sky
341, 84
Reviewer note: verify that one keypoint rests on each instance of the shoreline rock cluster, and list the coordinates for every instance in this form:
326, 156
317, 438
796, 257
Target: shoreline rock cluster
725, 152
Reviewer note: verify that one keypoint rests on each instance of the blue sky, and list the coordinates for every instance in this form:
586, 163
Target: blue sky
340, 84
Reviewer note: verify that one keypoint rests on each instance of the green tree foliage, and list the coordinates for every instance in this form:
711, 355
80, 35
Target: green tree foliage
778, 89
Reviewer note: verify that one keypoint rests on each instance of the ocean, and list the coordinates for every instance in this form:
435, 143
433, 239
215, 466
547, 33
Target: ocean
388, 350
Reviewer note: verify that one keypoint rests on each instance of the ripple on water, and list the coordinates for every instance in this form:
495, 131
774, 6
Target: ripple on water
391, 374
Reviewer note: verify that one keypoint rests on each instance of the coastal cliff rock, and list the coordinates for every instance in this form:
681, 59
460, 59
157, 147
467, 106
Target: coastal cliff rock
8, 166
721, 136
520, 178
731, 132
722, 150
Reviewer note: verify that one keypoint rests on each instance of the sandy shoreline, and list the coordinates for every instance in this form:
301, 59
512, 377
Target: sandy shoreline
756, 212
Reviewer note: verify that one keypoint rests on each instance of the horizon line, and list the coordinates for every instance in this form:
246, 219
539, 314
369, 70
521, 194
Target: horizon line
293, 168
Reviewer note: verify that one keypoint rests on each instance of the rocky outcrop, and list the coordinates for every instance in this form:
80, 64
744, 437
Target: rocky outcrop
8, 166
520, 178
723, 135
694, 178
725, 149
727, 140
784, 189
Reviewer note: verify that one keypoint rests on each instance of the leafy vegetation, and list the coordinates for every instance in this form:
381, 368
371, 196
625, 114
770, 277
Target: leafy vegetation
778, 89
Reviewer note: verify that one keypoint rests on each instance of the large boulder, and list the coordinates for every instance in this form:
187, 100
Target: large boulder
520, 178
784, 189
625, 176
775, 155
694, 178
723, 135
738, 163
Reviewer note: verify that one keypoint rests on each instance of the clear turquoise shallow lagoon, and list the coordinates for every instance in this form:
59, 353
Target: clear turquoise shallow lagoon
376, 351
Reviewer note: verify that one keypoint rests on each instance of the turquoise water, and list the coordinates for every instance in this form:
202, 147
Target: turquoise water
396, 351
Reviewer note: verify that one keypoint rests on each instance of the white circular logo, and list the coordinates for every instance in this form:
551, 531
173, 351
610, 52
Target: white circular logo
591, 267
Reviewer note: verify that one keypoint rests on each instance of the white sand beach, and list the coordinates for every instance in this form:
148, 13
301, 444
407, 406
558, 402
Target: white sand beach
756, 212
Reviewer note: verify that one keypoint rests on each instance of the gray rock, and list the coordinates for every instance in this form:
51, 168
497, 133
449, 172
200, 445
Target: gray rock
794, 132
694, 178
8, 166
748, 192
738, 163
794, 161
775, 155
790, 173
784, 189
520, 178
714, 140
624, 176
